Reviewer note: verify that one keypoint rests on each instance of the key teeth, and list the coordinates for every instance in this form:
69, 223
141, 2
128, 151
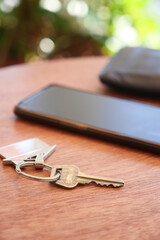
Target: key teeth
109, 185
106, 184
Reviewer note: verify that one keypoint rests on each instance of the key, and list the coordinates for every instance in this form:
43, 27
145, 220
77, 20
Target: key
70, 177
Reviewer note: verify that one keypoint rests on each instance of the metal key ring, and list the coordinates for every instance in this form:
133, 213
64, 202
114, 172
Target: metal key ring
49, 179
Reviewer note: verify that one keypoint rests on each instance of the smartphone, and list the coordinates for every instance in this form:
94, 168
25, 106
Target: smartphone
112, 118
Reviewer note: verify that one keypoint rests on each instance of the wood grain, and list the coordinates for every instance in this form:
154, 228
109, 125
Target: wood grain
39, 210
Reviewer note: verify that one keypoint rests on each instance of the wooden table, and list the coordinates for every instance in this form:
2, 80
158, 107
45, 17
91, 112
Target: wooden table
39, 210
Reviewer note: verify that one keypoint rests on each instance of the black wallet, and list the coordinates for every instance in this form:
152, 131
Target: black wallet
134, 68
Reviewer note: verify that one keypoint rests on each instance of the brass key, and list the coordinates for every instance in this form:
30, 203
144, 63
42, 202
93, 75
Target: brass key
70, 177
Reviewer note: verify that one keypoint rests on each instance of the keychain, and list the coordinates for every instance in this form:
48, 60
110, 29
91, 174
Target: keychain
68, 176
29, 152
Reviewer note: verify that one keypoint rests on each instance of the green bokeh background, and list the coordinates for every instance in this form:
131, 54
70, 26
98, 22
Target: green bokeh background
91, 27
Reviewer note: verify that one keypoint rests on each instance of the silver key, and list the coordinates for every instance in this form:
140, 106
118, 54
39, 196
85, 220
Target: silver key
70, 177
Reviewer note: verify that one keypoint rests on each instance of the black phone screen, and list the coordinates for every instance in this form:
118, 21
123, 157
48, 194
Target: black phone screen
92, 111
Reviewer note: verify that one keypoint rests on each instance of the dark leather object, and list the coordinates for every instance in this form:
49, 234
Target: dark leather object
134, 68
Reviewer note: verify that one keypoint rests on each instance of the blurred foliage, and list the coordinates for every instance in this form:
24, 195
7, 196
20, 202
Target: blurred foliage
33, 29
